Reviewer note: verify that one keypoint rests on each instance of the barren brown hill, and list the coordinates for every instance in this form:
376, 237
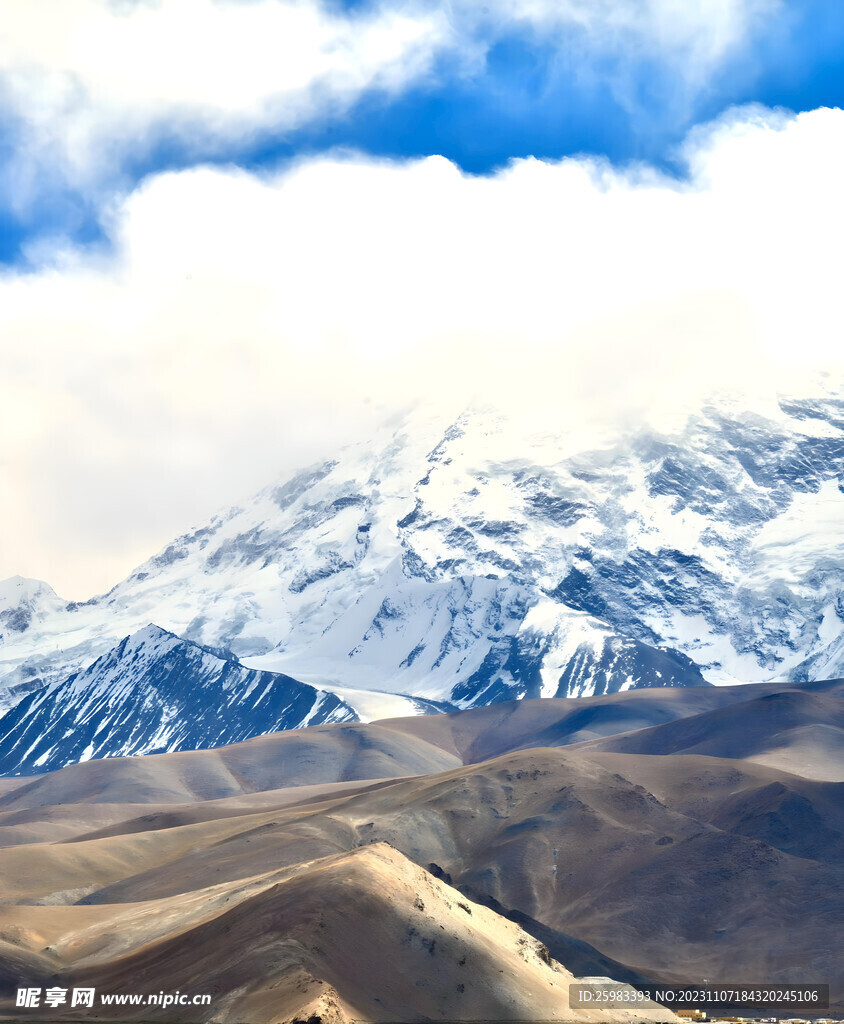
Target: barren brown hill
799, 816
50, 823
322, 754
797, 730
365, 936
674, 866
386, 749
712, 872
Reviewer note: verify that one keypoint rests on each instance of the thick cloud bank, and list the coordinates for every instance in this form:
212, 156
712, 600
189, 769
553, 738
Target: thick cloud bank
241, 325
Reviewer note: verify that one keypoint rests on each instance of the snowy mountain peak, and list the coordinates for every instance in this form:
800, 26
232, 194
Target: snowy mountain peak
474, 558
21, 592
29, 610
149, 638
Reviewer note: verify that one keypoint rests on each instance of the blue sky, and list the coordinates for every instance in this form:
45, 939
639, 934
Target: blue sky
534, 96
235, 234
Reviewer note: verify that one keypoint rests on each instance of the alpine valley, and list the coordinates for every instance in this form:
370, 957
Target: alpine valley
449, 564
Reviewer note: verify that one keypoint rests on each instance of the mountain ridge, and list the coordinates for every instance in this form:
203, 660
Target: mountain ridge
155, 692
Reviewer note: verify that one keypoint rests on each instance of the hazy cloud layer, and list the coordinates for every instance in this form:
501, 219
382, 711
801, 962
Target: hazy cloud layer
694, 35
242, 325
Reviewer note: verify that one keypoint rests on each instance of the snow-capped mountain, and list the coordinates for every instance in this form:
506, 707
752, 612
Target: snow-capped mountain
469, 561
153, 693
25, 607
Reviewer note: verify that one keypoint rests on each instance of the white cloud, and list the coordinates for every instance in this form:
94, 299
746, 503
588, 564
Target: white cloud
697, 34
658, 57
243, 323
92, 80
93, 83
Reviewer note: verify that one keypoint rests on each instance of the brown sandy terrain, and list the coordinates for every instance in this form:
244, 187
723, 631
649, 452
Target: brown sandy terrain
675, 866
638, 875
67, 821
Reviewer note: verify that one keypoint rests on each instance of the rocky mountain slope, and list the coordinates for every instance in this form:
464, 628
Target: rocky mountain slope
346, 918
155, 693
476, 560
